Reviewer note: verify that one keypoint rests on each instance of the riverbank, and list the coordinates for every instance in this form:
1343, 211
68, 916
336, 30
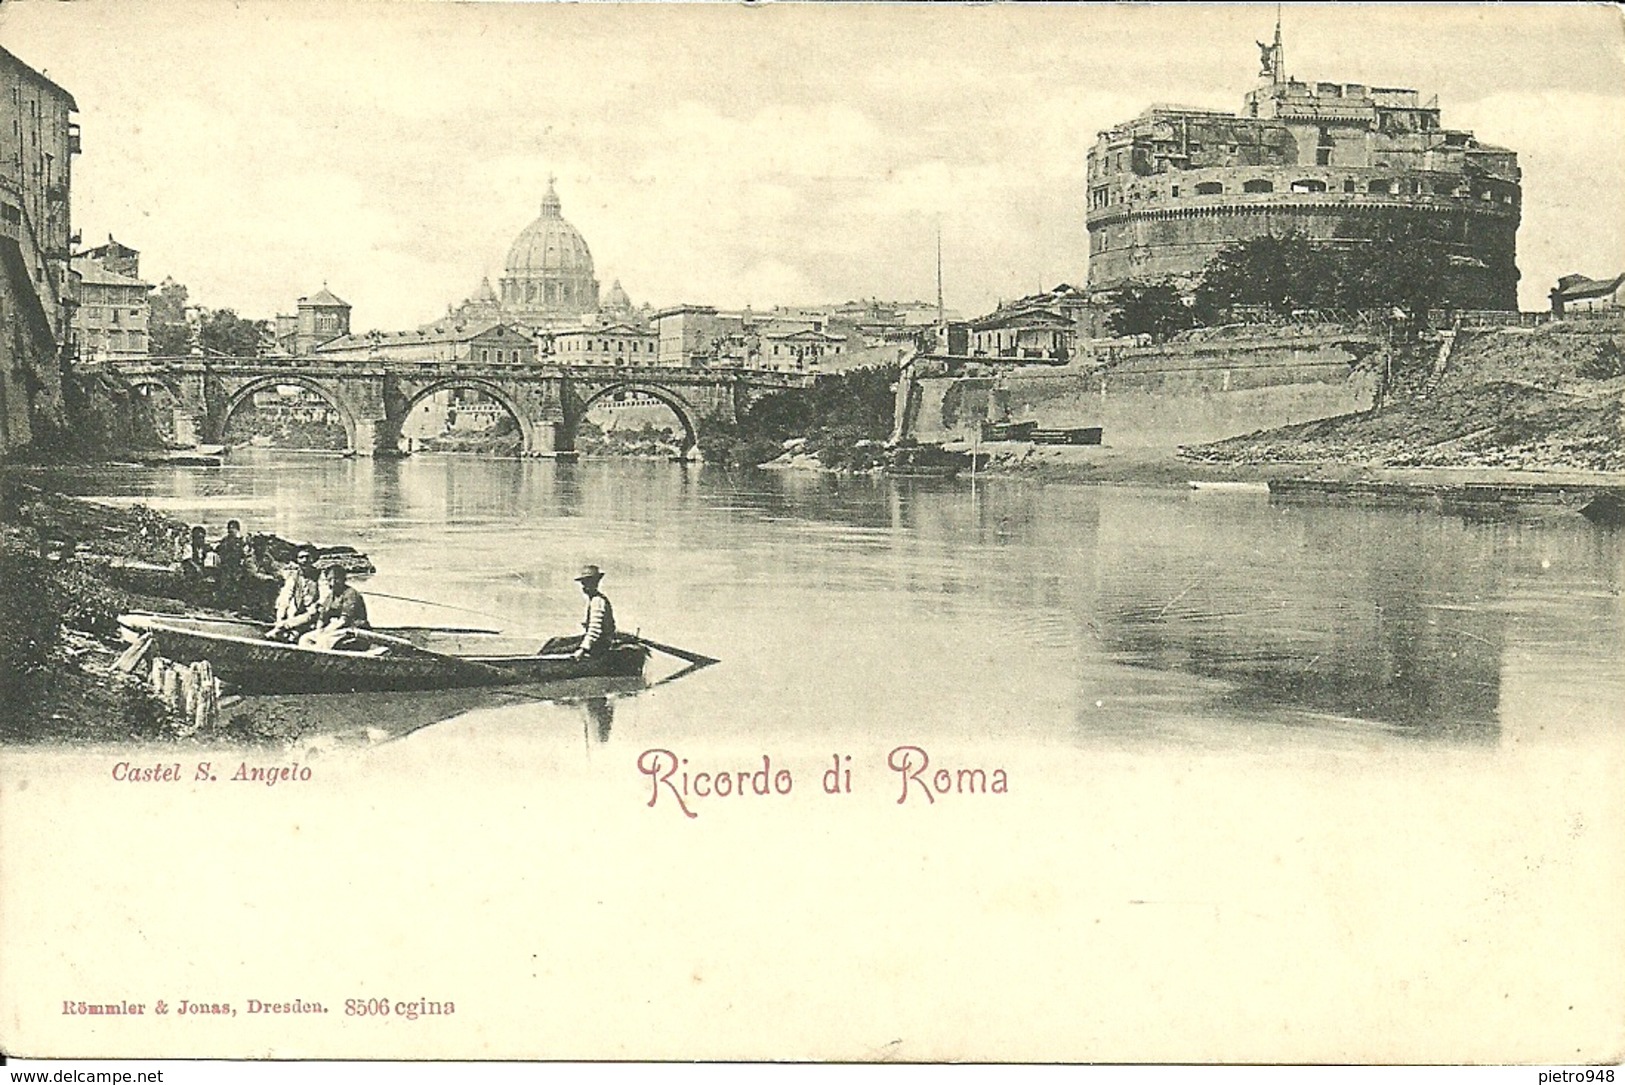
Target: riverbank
1175, 466
69, 568
1549, 399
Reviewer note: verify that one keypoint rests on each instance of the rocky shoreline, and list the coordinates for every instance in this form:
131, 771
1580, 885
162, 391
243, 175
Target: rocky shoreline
70, 567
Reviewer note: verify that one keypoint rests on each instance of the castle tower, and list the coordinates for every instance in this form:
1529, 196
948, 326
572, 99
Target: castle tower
1340, 163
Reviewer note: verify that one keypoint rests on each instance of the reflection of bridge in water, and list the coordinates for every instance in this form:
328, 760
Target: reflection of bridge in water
375, 398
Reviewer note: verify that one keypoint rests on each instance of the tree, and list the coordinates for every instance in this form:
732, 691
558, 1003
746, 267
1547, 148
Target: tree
222, 331
1156, 309
167, 330
1276, 272
1388, 262
1400, 265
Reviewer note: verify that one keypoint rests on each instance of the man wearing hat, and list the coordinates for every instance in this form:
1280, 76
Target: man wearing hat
599, 626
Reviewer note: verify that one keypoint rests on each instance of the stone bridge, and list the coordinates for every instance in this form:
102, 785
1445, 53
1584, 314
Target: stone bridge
374, 398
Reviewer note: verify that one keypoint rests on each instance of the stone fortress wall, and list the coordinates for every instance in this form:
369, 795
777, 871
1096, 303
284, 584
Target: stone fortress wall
1332, 161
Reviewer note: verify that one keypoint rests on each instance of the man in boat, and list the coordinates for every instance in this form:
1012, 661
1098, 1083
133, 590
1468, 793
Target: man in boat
598, 628
297, 602
339, 613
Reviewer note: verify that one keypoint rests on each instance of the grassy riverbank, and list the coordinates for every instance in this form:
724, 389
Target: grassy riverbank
69, 567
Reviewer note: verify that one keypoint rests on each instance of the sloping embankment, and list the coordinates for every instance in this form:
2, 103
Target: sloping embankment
1548, 399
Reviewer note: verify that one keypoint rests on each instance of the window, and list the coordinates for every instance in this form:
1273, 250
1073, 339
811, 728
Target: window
1323, 156
1174, 191
1308, 184
1258, 185
1348, 184
1378, 188
1209, 188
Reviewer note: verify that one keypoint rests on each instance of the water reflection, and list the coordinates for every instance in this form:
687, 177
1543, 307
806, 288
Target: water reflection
1326, 610
1015, 608
600, 712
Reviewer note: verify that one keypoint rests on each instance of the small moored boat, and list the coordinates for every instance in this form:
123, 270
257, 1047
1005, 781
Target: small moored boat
389, 659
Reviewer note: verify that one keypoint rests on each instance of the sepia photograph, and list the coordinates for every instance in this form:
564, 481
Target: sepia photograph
835, 533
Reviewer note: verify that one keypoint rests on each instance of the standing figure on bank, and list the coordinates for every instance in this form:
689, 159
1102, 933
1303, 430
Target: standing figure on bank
297, 602
598, 628
232, 550
197, 558
340, 612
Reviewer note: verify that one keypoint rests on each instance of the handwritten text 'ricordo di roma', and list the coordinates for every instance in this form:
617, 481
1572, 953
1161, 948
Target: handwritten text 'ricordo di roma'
910, 770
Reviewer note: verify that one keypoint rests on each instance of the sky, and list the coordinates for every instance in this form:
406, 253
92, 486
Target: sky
730, 154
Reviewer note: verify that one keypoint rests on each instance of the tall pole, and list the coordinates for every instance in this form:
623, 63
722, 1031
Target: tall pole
1280, 50
942, 324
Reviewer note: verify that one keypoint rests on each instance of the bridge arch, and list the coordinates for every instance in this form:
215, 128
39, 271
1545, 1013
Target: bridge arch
148, 384
476, 384
160, 401
679, 406
247, 391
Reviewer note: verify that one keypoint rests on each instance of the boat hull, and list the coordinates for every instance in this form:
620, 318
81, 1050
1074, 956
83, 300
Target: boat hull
239, 653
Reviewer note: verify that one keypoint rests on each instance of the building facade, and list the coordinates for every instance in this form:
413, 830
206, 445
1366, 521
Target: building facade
1334, 162
797, 350
624, 344
317, 318
486, 342
1579, 294
110, 320
38, 139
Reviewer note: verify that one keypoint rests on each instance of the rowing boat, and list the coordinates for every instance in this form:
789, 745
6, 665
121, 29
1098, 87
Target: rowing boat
394, 660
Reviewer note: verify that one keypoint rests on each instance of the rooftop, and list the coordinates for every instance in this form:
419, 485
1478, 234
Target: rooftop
324, 297
435, 333
93, 273
7, 56
1579, 287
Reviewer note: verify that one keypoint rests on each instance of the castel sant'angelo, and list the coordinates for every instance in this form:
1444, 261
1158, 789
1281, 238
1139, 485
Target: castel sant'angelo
1334, 162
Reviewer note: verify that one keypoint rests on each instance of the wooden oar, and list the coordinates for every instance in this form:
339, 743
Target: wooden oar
686, 656
681, 653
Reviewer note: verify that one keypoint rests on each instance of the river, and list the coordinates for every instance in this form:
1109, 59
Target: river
1209, 776
1083, 615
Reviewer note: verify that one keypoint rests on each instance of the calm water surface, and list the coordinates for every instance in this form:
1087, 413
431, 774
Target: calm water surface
900, 610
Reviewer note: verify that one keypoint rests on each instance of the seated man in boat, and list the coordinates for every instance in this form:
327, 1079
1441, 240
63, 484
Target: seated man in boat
296, 603
339, 614
598, 628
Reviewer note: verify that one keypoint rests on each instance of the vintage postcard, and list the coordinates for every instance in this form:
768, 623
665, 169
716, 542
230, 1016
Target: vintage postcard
812, 532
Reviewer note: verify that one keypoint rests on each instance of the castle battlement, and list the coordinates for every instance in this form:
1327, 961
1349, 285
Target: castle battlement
1170, 188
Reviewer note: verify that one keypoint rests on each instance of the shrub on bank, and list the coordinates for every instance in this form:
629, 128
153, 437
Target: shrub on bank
838, 415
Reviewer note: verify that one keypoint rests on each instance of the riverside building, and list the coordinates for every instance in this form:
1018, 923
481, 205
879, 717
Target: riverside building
1334, 162
40, 139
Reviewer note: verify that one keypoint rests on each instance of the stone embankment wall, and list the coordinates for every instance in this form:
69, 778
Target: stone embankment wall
1184, 393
